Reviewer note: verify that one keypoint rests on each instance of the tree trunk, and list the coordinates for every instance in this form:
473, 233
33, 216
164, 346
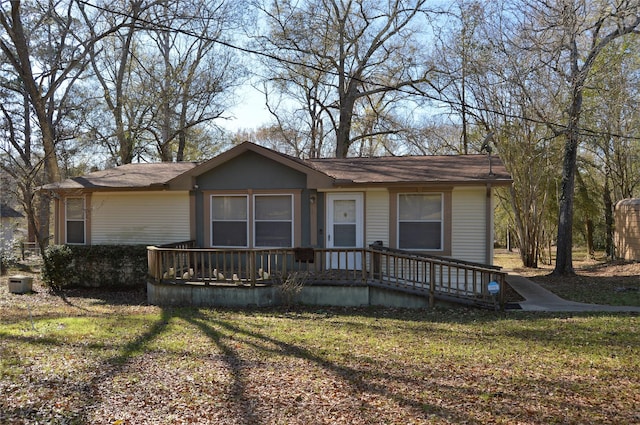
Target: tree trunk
608, 219
589, 229
125, 142
626, 21
44, 205
35, 94
343, 135
527, 242
564, 243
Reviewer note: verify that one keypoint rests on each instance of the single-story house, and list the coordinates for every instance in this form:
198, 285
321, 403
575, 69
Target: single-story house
366, 227
254, 197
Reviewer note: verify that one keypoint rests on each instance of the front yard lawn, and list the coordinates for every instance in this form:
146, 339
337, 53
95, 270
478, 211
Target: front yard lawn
89, 357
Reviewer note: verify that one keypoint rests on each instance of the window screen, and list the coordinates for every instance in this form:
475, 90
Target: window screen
75, 221
229, 221
420, 221
273, 220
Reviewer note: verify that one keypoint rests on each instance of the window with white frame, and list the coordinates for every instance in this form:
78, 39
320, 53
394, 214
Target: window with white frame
229, 221
75, 221
273, 221
270, 225
420, 221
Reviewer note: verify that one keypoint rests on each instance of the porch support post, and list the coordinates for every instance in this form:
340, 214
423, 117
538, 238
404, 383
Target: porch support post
252, 267
489, 226
153, 263
432, 285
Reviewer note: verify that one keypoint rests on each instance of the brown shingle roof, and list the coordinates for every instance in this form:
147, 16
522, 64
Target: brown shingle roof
414, 169
126, 176
446, 169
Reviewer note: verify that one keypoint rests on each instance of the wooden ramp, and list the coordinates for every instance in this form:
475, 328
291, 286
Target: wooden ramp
436, 278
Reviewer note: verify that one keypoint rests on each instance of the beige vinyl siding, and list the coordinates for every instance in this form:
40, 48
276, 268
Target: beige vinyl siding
468, 224
627, 232
377, 217
139, 218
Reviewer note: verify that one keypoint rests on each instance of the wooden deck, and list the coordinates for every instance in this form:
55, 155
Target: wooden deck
415, 273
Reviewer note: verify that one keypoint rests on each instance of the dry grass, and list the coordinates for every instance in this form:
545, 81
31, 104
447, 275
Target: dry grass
87, 357
597, 280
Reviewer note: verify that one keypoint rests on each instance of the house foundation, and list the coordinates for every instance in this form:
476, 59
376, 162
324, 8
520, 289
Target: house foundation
198, 295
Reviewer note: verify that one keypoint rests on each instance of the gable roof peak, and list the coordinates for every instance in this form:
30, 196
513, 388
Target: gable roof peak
315, 178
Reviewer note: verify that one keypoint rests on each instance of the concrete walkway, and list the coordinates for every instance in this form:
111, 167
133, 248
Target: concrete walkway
539, 299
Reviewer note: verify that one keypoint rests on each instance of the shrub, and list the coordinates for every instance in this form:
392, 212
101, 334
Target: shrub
57, 268
7, 260
291, 286
96, 266
8, 257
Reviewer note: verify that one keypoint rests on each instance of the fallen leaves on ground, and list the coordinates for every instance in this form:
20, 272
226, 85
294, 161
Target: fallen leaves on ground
99, 358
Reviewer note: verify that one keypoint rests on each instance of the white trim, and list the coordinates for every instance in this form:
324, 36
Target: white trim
358, 197
228, 195
291, 198
67, 220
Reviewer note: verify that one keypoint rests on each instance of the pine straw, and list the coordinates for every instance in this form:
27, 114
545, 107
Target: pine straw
102, 358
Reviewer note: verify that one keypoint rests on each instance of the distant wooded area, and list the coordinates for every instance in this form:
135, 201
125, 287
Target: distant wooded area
552, 87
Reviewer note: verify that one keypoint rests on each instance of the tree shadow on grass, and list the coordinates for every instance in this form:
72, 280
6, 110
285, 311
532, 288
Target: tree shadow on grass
79, 394
360, 380
118, 297
473, 383
115, 365
230, 337
245, 412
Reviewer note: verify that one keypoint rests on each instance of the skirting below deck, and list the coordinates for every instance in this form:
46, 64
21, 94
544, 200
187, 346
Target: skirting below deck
166, 294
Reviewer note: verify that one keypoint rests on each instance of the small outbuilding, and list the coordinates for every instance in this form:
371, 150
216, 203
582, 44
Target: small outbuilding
627, 234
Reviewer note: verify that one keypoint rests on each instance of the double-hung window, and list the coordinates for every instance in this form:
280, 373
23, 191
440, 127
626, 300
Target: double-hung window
75, 221
229, 221
420, 221
273, 221
260, 221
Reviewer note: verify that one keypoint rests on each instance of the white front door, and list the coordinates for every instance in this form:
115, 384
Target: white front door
345, 218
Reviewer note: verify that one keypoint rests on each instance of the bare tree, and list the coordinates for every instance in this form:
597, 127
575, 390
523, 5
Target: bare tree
612, 107
197, 74
458, 53
546, 52
569, 36
114, 62
18, 159
489, 88
42, 84
166, 74
42, 47
349, 50
297, 101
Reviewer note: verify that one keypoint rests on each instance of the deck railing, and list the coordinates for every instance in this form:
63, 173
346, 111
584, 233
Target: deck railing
433, 277
437, 277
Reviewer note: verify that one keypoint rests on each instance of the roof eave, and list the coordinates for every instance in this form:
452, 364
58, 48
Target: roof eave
152, 188
449, 183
